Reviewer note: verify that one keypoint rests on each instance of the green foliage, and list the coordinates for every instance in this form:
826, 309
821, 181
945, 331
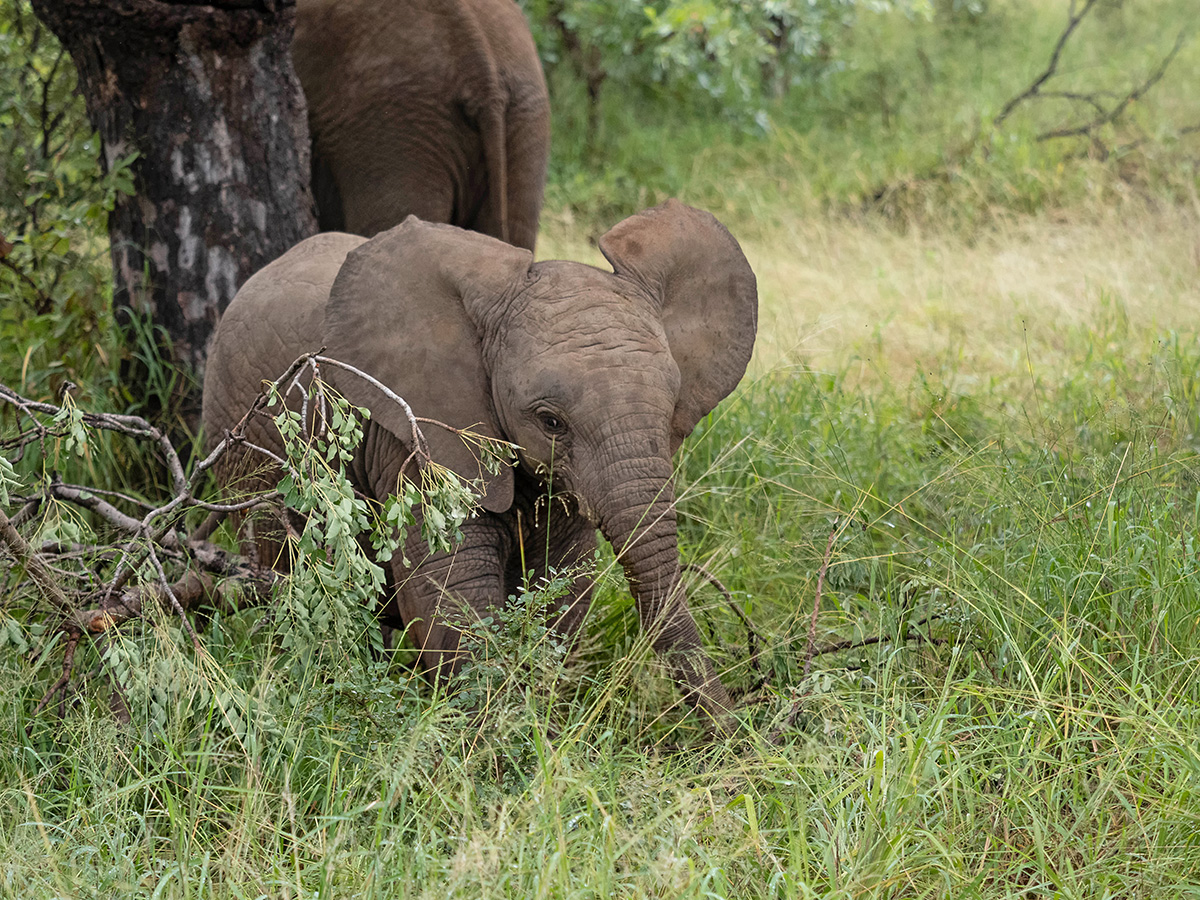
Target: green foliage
1050, 690
327, 615
737, 53
897, 121
54, 204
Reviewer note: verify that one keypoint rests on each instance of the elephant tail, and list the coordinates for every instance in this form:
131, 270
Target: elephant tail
487, 97
495, 154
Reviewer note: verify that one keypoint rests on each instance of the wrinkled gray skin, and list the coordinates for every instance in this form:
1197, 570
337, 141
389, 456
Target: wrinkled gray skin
598, 377
432, 108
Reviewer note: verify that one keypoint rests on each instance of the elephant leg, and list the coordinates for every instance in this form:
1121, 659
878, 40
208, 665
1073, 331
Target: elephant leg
444, 592
330, 215
555, 540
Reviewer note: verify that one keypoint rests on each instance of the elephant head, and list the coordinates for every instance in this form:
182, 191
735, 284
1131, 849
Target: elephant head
597, 376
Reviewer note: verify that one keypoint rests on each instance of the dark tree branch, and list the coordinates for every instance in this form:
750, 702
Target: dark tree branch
1073, 20
1113, 113
753, 639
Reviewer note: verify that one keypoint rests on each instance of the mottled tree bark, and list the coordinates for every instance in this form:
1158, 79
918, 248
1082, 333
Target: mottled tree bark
207, 97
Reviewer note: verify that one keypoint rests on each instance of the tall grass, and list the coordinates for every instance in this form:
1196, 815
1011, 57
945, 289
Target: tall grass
1033, 735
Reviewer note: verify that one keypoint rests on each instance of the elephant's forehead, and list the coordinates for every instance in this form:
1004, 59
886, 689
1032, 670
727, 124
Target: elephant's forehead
571, 299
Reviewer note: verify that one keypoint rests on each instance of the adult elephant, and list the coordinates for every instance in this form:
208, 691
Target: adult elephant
597, 376
432, 108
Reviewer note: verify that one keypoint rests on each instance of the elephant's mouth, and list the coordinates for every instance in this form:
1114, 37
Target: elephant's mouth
572, 503
582, 507
558, 489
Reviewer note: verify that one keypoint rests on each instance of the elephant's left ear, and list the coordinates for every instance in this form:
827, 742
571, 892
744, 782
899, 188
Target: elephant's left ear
692, 264
396, 310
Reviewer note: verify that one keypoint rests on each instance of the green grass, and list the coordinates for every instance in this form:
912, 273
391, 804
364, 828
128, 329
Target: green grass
1002, 439
1039, 738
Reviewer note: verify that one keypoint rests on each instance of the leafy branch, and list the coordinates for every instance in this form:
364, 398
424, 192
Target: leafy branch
90, 590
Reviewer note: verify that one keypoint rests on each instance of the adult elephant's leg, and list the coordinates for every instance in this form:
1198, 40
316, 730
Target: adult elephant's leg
528, 151
327, 196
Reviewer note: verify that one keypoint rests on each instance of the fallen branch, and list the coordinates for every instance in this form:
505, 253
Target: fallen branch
218, 576
184, 573
68, 669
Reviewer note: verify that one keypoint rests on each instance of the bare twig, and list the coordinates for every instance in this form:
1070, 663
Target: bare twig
838, 646
217, 572
27, 511
1114, 112
1108, 107
170, 595
753, 639
89, 500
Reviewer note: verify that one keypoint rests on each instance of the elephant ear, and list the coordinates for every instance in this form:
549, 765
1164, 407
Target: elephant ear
396, 311
691, 264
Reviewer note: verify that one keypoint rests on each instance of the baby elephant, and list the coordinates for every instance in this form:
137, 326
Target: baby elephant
597, 376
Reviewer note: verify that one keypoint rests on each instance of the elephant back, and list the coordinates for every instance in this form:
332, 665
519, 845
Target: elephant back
276, 316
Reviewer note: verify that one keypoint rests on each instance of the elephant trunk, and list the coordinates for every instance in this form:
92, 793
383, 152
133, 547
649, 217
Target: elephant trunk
638, 518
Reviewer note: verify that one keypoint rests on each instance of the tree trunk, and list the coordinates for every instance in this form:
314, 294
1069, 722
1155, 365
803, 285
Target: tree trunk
207, 98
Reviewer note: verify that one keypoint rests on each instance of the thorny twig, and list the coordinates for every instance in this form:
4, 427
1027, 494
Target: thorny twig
753, 639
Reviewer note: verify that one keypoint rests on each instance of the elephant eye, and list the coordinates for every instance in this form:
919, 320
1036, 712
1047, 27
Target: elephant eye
552, 423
